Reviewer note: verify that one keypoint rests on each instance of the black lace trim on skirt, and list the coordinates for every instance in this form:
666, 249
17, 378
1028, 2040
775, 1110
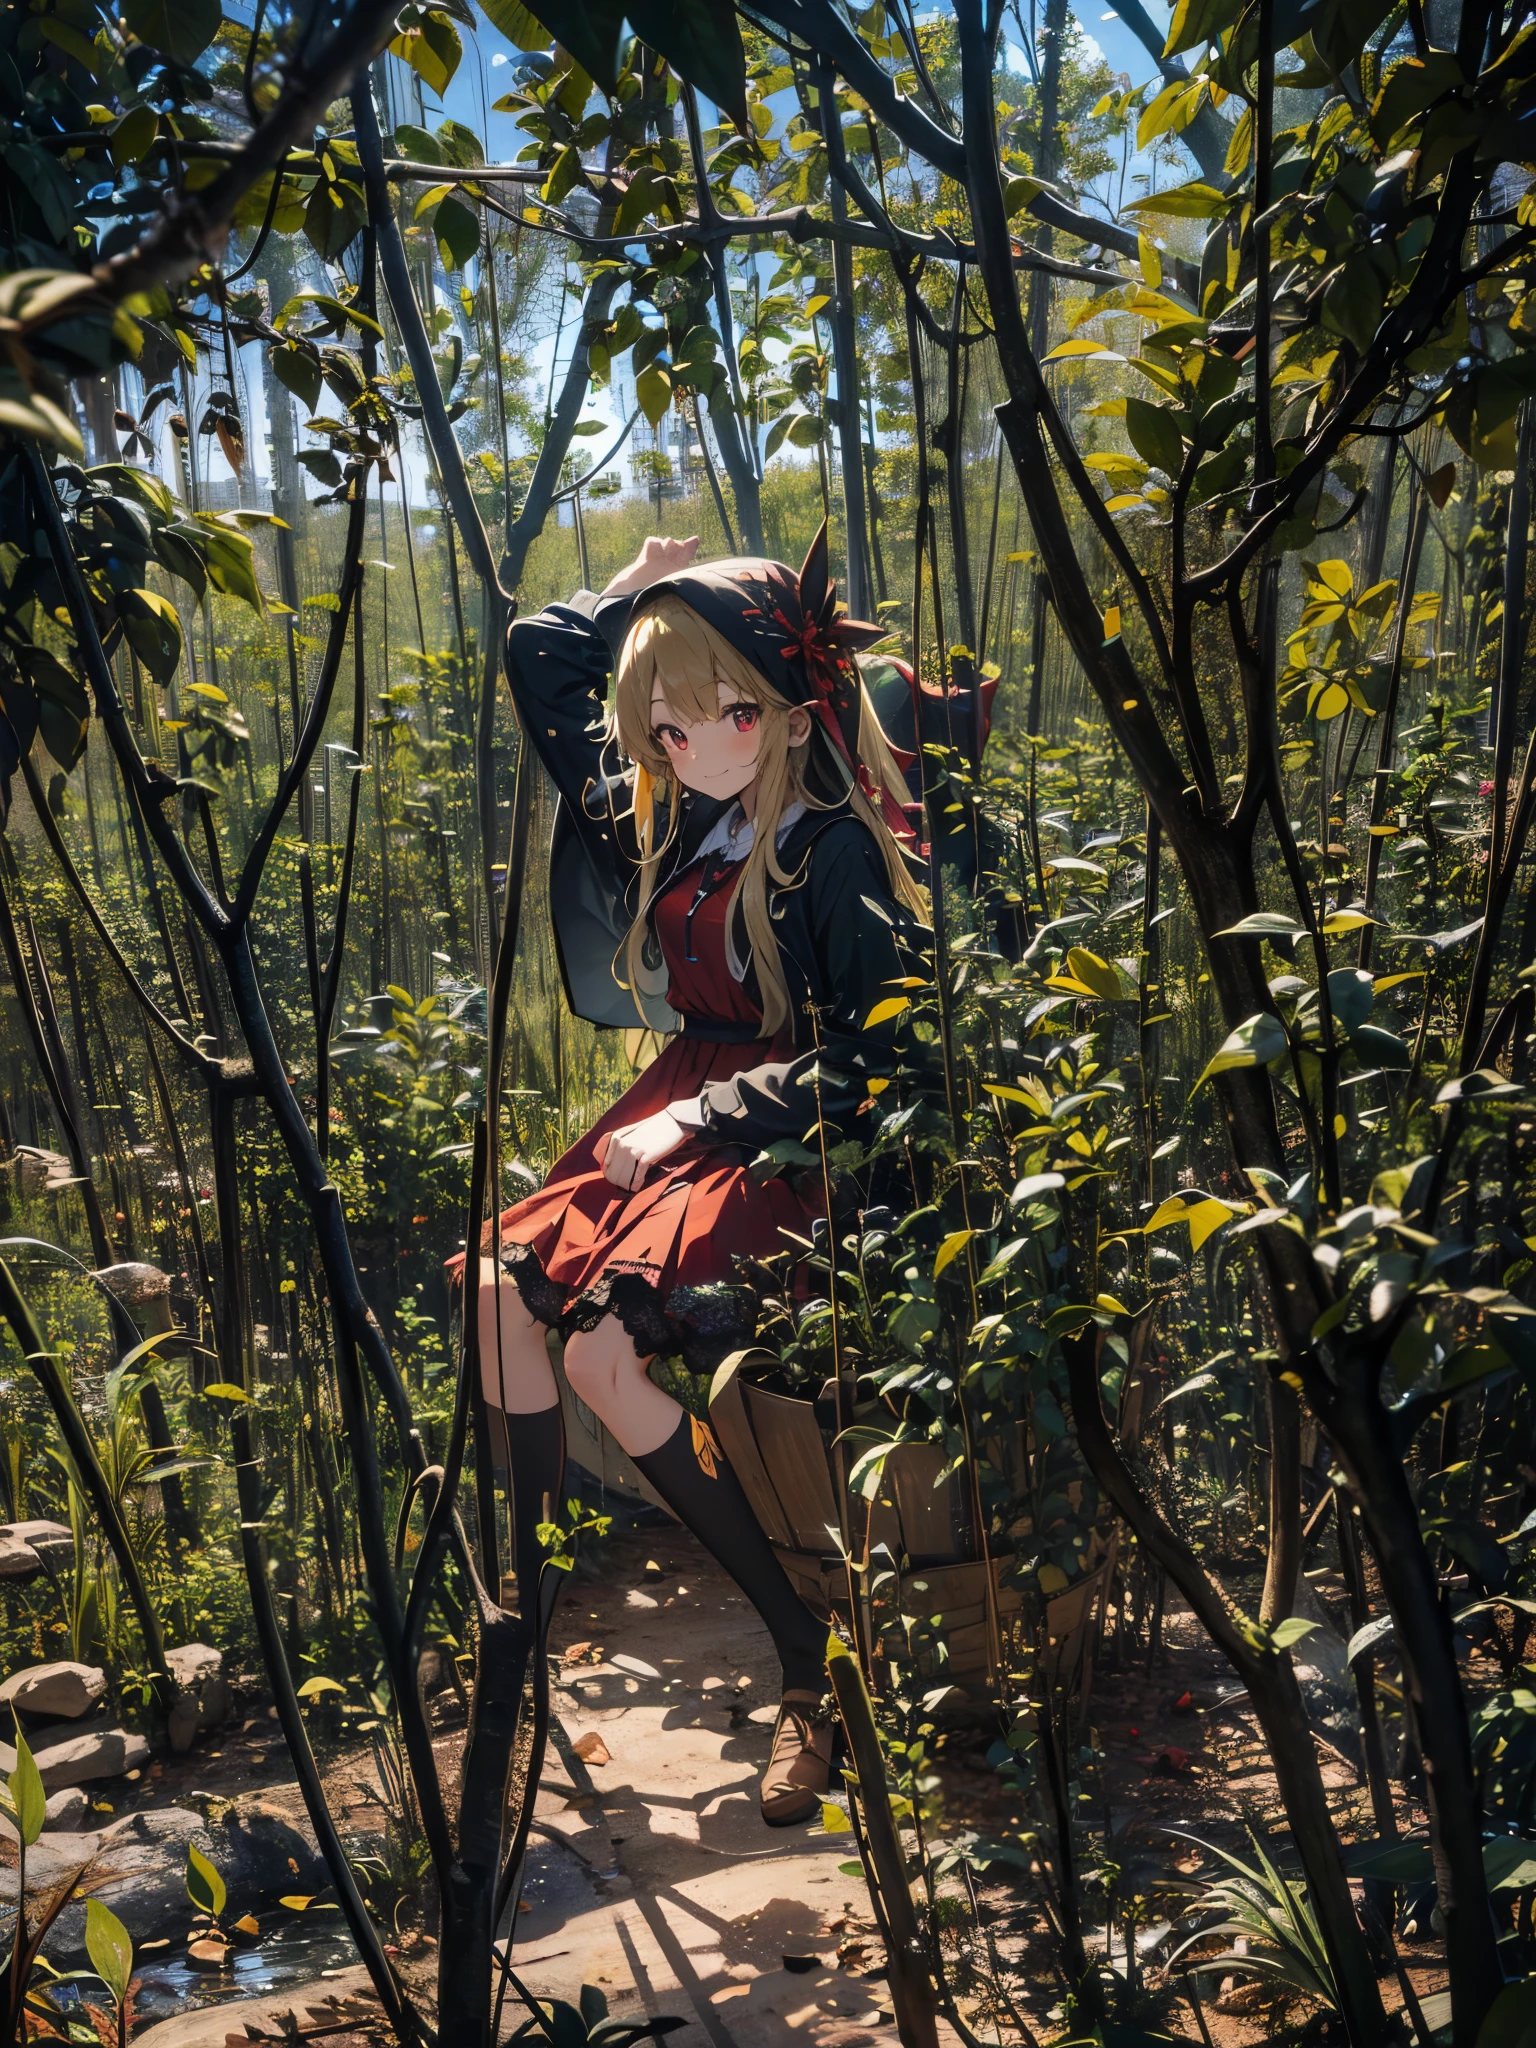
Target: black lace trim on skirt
700, 1325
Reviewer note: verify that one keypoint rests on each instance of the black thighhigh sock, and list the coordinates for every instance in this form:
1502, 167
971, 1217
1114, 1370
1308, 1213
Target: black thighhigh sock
690, 1473
536, 1456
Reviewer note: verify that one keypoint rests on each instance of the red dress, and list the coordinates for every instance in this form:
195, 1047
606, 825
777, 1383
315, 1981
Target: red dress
661, 1257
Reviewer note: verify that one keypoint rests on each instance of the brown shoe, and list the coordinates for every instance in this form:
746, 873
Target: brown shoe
798, 1775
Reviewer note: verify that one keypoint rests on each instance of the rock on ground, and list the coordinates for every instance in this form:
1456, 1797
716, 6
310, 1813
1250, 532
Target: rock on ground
208, 2029
137, 1867
80, 1759
64, 1690
54, 1541
19, 1562
198, 1670
66, 1810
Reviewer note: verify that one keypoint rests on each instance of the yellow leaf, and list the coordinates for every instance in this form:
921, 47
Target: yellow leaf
1115, 1308
1052, 1579
1066, 350
1340, 1126
951, 1249
1333, 700
1204, 1218
1008, 1094
1103, 978
878, 1084
296, 1902
1112, 624
890, 1006
1345, 921
833, 1819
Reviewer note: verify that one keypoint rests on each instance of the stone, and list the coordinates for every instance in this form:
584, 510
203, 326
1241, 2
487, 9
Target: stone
80, 1759
54, 1542
67, 1810
198, 1671
134, 1283
137, 1868
181, 1724
64, 1691
19, 1562
261, 1851
208, 2028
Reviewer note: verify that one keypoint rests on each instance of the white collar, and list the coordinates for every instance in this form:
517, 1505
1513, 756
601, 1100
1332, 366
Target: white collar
733, 833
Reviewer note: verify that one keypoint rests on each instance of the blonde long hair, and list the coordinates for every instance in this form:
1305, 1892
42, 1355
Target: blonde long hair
671, 649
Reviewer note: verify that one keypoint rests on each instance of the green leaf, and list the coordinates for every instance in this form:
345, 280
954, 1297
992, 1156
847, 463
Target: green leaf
590, 29
457, 229
1194, 201
1292, 1630
205, 1887
230, 558
431, 47
109, 1948
563, 174
28, 1798
182, 29
334, 217
653, 390
153, 627
1254, 1043
522, 29
298, 370
701, 40
1381, 1048
418, 145
1154, 435
1511, 2021
132, 135
1196, 22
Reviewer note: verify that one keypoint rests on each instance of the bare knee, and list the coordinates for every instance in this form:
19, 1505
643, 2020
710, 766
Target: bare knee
514, 1361
600, 1364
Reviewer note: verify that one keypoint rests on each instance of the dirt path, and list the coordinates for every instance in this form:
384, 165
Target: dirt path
661, 1885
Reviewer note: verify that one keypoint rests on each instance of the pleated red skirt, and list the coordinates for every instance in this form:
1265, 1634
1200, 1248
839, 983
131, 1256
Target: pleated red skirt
662, 1257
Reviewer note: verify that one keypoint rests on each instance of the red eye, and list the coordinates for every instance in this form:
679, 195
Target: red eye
672, 736
745, 716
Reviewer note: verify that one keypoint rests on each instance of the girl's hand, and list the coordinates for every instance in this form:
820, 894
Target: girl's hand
657, 558
627, 1156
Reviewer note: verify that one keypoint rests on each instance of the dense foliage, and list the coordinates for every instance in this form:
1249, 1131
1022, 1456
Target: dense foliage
1191, 421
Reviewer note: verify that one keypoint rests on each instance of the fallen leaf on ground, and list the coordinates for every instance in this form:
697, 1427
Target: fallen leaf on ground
592, 1749
1168, 1763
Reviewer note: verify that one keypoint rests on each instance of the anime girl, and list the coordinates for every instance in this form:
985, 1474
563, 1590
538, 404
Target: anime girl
726, 865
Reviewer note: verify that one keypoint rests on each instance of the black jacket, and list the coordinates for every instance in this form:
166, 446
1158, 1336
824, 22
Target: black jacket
845, 942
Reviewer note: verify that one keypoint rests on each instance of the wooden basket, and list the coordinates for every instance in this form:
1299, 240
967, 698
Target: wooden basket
780, 1454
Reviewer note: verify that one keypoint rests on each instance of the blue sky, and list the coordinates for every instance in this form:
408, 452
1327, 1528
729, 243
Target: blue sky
485, 74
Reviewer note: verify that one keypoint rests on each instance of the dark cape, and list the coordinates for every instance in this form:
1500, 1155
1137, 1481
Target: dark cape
845, 941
